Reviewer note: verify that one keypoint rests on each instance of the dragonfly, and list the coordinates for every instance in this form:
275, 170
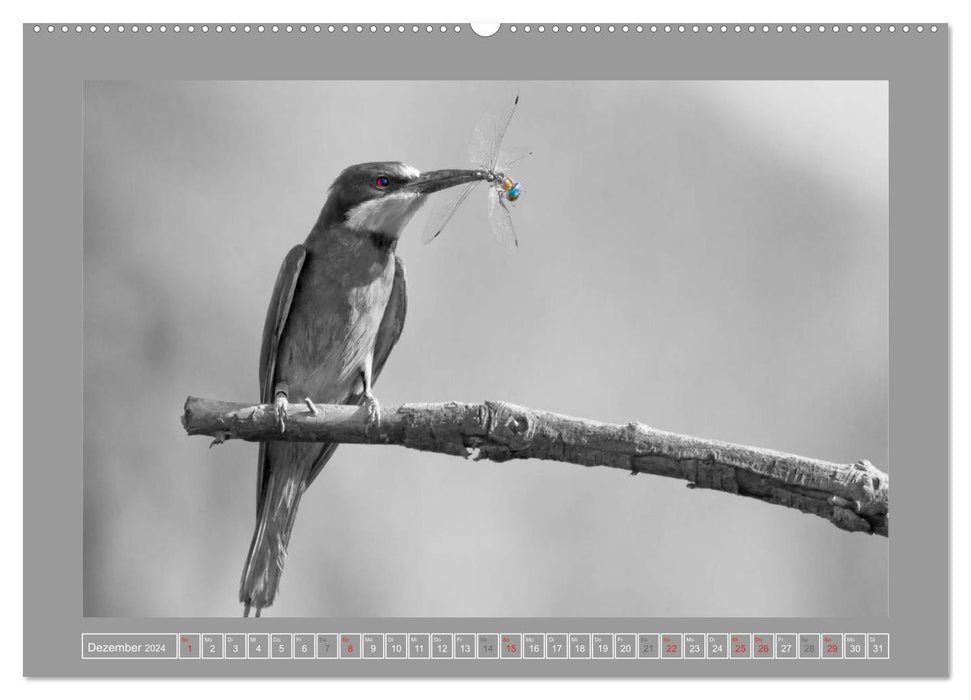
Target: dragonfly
493, 165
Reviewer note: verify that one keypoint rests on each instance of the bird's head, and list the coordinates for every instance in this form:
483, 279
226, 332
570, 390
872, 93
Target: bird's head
380, 198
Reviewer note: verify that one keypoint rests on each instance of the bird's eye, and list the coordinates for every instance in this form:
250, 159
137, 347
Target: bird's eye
382, 181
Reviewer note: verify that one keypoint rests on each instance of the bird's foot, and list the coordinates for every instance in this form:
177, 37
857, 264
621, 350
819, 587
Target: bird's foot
373, 409
281, 404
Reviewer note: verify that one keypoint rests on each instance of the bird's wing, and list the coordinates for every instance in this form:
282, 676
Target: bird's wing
388, 333
276, 320
394, 320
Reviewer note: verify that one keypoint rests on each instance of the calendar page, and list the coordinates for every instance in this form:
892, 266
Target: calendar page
544, 350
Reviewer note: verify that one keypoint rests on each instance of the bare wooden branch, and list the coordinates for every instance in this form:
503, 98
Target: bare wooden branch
853, 497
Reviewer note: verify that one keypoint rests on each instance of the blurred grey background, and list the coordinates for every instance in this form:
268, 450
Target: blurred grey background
708, 258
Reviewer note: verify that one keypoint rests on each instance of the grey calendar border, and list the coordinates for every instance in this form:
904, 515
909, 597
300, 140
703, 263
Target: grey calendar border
916, 67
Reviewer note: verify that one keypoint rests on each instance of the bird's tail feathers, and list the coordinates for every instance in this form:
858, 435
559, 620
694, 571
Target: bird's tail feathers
268, 550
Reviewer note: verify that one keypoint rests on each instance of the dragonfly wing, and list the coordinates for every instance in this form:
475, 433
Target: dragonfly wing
488, 134
501, 222
508, 157
444, 208
480, 146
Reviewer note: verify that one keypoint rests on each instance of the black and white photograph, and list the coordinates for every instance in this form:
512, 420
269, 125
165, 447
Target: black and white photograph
486, 349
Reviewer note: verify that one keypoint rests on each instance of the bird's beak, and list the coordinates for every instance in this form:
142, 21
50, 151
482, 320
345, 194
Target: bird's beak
435, 180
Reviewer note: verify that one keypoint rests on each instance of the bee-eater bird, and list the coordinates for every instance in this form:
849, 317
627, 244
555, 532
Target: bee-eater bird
337, 309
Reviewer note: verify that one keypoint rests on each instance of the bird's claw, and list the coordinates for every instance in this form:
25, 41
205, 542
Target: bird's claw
281, 404
373, 410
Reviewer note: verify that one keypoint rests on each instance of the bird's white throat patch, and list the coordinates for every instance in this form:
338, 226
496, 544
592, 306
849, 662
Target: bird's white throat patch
388, 214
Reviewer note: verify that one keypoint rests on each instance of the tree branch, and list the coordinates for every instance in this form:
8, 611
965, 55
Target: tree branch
853, 497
